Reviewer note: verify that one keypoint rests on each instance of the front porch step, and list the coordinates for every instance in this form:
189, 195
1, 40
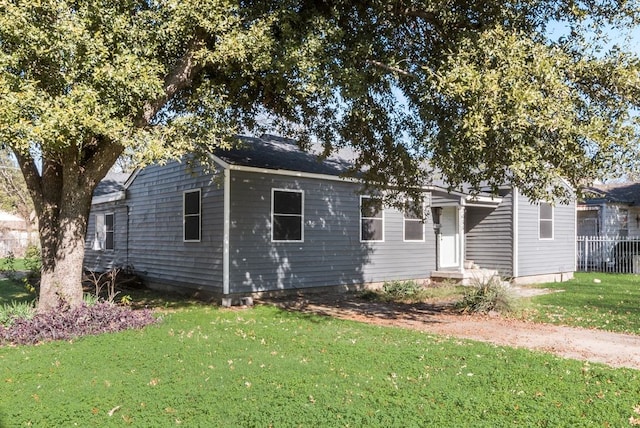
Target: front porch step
466, 277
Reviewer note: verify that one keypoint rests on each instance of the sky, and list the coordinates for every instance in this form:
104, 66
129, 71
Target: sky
629, 39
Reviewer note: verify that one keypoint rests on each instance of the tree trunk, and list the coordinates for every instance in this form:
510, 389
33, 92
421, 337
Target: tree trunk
61, 191
62, 239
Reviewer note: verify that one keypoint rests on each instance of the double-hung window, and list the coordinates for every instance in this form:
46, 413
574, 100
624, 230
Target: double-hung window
191, 216
371, 219
413, 221
108, 232
104, 237
545, 221
287, 215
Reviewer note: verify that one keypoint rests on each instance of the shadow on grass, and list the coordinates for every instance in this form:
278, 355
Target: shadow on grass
13, 290
317, 307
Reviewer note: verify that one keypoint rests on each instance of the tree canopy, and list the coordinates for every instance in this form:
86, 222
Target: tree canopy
476, 90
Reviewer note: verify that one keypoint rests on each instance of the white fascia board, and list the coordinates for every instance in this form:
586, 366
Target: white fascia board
587, 208
132, 177
482, 201
283, 172
110, 197
317, 176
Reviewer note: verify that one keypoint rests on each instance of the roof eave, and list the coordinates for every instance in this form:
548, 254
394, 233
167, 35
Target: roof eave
109, 197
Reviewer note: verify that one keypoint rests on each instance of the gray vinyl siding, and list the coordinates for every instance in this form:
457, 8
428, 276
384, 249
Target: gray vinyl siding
101, 260
156, 247
538, 257
331, 253
489, 237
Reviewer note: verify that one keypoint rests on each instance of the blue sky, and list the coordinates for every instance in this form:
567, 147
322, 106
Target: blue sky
630, 39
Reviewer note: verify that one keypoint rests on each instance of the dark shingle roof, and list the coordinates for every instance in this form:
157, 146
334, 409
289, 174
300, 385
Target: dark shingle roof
271, 152
111, 183
625, 193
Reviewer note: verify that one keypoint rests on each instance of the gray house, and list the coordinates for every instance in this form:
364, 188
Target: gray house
269, 217
610, 210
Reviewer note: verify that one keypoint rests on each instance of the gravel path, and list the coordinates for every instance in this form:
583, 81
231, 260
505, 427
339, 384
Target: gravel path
614, 349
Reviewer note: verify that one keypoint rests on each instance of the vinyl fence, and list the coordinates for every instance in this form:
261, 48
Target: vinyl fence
606, 254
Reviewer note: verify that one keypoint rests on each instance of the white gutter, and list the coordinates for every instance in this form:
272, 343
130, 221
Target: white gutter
225, 238
575, 233
515, 196
313, 175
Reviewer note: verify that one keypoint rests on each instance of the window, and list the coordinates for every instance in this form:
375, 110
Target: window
623, 222
108, 232
413, 222
545, 229
371, 219
191, 220
104, 238
287, 215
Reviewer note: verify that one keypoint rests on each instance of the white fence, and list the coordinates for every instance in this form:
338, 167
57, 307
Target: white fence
605, 254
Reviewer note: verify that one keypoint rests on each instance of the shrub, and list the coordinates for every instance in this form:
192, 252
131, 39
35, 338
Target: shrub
67, 323
486, 295
9, 266
10, 312
32, 259
412, 291
33, 264
110, 283
399, 290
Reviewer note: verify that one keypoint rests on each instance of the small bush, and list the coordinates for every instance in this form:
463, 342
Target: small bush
32, 259
400, 290
8, 266
487, 295
411, 292
10, 312
67, 323
90, 299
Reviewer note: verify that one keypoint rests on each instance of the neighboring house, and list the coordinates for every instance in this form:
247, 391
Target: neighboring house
270, 217
14, 234
610, 210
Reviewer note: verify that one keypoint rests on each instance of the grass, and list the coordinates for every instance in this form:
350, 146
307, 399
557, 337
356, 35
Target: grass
611, 304
206, 366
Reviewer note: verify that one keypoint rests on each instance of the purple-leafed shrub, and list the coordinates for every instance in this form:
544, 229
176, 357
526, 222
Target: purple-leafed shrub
67, 323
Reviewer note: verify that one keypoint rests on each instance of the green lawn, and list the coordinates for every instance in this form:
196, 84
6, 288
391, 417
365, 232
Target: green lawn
612, 304
260, 367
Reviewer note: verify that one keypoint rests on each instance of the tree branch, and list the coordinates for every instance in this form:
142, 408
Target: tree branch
31, 176
390, 68
179, 78
104, 154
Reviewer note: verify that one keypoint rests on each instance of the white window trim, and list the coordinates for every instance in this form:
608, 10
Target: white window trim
552, 220
375, 218
301, 215
184, 214
404, 223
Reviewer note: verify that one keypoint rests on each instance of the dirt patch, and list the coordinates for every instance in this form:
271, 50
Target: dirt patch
614, 349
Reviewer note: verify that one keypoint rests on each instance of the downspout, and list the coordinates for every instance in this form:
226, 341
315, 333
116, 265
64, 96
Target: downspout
126, 251
226, 227
515, 196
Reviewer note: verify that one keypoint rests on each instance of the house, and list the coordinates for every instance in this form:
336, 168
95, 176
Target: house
14, 234
268, 217
610, 210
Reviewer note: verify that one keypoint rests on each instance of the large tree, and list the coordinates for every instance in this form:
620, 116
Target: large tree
477, 89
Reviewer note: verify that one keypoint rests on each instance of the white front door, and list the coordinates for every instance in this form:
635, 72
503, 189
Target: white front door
449, 238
